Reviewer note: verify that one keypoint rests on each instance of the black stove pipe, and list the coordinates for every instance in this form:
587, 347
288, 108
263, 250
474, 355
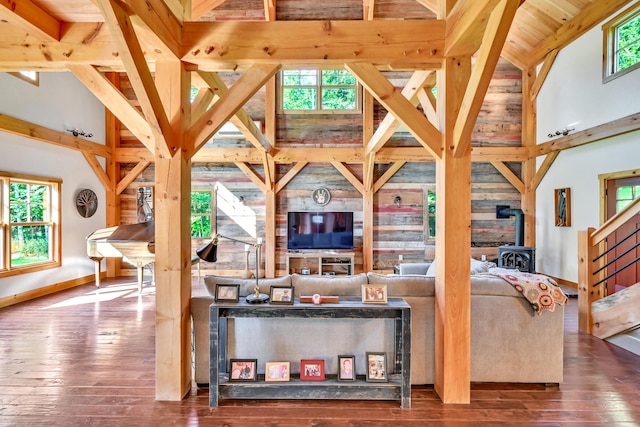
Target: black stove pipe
506, 212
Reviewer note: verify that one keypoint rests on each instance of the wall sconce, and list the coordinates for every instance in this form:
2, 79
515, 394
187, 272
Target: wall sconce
563, 132
79, 132
397, 201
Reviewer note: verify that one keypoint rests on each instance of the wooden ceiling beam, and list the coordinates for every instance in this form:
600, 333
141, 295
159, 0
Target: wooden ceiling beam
432, 5
322, 155
201, 103
228, 104
252, 175
36, 132
349, 176
415, 44
132, 175
398, 105
269, 10
199, 8
542, 75
115, 101
590, 16
31, 18
493, 39
292, 173
241, 118
121, 27
164, 23
389, 123
465, 25
509, 175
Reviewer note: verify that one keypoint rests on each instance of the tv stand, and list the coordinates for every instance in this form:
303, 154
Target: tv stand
321, 262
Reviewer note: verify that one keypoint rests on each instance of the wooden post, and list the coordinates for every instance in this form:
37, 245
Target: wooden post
368, 193
528, 197
586, 293
173, 240
113, 129
453, 246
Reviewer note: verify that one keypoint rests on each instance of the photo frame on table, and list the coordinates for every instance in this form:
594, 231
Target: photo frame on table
277, 371
346, 367
243, 369
374, 294
377, 367
311, 370
229, 293
281, 295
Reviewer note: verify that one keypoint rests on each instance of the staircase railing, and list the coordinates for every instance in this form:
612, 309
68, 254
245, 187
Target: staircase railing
592, 268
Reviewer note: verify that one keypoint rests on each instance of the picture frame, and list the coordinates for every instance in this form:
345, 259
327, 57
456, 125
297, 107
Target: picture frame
281, 295
377, 367
346, 367
562, 200
312, 370
243, 369
229, 293
374, 294
277, 371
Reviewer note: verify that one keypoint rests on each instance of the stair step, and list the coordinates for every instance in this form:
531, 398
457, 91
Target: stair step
629, 340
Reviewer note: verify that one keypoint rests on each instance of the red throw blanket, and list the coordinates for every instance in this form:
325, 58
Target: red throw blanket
541, 291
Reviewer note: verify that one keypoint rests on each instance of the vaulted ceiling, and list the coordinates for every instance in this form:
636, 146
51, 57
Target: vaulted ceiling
46, 34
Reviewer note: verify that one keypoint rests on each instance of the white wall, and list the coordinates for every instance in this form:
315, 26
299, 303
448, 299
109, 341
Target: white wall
59, 103
573, 95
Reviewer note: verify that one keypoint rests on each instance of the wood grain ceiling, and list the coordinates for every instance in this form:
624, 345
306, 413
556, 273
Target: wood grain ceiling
540, 26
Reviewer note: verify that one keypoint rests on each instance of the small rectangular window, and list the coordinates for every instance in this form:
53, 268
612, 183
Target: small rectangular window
201, 214
621, 44
429, 214
319, 91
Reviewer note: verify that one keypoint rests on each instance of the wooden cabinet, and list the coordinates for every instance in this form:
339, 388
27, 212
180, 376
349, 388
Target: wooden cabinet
397, 388
321, 263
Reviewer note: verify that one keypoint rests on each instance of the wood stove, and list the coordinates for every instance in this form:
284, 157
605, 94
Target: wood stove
522, 258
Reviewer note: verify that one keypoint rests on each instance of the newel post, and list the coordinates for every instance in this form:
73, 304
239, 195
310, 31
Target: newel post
586, 279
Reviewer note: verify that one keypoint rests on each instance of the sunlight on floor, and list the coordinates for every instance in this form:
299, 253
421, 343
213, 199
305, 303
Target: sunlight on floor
108, 293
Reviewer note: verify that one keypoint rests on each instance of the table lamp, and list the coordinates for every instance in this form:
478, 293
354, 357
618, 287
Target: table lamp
209, 253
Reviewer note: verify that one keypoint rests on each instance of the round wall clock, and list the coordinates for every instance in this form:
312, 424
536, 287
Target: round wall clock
86, 203
321, 196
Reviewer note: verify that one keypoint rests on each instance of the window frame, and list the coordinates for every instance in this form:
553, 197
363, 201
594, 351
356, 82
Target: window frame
54, 207
610, 42
318, 87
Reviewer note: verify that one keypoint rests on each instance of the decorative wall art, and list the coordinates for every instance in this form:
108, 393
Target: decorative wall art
562, 198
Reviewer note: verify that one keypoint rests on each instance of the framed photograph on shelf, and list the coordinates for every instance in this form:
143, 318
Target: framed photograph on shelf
277, 371
311, 370
377, 367
281, 295
228, 293
243, 369
346, 367
374, 294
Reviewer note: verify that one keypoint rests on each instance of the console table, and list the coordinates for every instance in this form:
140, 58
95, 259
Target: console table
397, 388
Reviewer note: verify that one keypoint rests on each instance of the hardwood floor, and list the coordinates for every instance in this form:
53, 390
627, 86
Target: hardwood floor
85, 357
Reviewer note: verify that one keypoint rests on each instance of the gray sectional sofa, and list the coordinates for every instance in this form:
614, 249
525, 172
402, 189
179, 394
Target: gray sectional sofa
509, 342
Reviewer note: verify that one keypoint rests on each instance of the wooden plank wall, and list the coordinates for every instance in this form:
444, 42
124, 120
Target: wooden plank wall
398, 230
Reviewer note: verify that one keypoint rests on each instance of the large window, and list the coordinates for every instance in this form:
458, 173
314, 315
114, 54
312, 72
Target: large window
201, 214
30, 220
622, 44
319, 91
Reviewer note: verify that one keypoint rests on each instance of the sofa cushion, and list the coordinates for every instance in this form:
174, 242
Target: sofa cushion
487, 284
477, 267
247, 286
404, 286
414, 268
328, 285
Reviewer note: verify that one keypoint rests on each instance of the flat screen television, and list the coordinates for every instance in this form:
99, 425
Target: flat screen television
319, 230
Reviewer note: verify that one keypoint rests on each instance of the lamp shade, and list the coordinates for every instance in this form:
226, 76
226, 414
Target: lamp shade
208, 252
